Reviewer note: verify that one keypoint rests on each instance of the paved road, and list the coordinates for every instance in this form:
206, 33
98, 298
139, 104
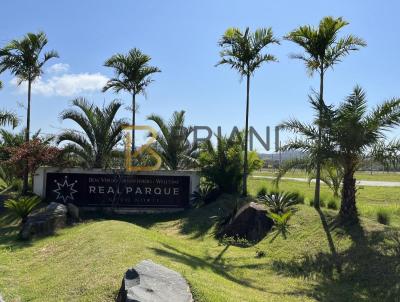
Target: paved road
367, 183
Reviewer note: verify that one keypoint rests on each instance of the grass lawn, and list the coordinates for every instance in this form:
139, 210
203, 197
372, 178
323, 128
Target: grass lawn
361, 175
86, 262
369, 199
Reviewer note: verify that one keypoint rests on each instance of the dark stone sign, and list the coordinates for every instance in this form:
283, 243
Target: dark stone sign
118, 190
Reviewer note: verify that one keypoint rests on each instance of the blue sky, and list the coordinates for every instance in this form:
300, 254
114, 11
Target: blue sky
181, 37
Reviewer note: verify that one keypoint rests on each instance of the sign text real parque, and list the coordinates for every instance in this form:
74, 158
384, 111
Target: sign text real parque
120, 190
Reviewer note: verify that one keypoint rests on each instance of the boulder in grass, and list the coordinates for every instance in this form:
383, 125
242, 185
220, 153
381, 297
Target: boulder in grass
151, 282
250, 222
73, 211
45, 222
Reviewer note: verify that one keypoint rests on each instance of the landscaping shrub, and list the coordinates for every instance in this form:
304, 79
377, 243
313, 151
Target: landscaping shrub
21, 207
260, 253
223, 164
281, 202
383, 216
262, 191
332, 204
206, 193
299, 197
281, 223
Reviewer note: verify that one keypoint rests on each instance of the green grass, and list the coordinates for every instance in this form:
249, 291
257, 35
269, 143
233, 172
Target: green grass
361, 175
369, 199
86, 262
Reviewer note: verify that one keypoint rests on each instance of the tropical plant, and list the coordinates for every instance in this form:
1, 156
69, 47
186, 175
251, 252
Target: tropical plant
331, 175
205, 194
281, 223
23, 59
132, 74
332, 204
243, 51
100, 132
280, 203
356, 131
323, 49
173, 144
331, 172
262, 191
308, 142
383, 216
222, 164
21, 207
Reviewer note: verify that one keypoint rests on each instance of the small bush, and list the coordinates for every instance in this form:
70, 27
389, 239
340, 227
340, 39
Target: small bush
280, 203
299, 197
262, 191
332, 204
206, 194
383, 216
321, 203
281, 223
260, 254
21, 207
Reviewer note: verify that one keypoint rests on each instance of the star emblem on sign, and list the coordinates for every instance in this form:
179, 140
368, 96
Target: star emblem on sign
65, 190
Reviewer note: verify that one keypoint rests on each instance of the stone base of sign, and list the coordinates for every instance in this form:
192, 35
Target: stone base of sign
116, 190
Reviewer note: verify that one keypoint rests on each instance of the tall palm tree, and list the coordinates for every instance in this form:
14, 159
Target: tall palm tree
355, 132
101, 132
243, 51
132, 74
173, 144
23, 59
323, 49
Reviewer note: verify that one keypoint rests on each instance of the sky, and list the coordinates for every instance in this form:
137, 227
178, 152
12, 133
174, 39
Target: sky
182, 39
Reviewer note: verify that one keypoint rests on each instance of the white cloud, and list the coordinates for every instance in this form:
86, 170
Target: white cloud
66, 84
58, 68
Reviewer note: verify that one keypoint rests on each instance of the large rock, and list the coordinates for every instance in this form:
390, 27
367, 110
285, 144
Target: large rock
73, 211
250, 223
151, 282
45, 222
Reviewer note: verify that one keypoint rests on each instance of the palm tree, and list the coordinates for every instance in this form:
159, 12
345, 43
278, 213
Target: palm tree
8, 117
101, 132
173, 144
331, 172
323, 49
243, 51
22, 58
356, 131
132, 74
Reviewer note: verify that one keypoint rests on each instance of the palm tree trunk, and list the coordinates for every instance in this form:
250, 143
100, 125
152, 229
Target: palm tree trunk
348, 208
28, 122
318, 163
133, 120
246, 134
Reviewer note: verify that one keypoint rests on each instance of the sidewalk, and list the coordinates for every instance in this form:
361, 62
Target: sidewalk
367, 183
